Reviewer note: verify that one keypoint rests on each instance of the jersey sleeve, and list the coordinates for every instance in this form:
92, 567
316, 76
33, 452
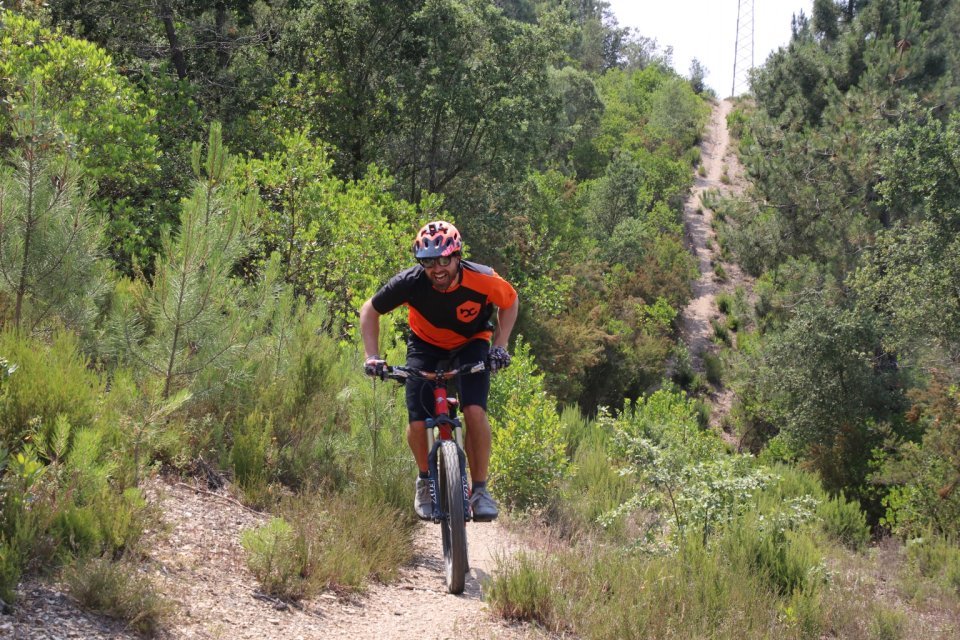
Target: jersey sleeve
396, 291
502, 292
482, 278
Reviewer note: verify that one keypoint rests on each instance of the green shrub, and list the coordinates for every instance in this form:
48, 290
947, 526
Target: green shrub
736, 122
325, 541
577, 428
23, 517
888, 624
804, 611
607, 593
698, 385
720, 332
275, 559
11, 568
776, 451
786, 557
714, 368
595, 487
252, 457
529, 452
719, 272
724, 302
793, 482
130, 516
521, 589
51, 380
367, 539
845, 522
78, 530
935, 557
682, 374
118, 590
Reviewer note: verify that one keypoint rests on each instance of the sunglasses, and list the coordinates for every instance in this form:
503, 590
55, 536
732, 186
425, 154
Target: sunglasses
443, 261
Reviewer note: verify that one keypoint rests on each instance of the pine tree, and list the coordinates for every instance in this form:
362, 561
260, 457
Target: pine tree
190, 317
50, 243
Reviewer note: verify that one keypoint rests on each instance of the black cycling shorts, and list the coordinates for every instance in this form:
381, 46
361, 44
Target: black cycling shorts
474, 387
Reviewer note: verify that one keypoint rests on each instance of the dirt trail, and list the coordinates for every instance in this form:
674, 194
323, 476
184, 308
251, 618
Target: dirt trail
198, 564
718, 159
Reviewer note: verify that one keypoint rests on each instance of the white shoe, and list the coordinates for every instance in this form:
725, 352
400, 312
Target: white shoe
423, 500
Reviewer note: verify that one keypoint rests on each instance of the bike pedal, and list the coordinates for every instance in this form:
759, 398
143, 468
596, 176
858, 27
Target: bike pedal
479, 519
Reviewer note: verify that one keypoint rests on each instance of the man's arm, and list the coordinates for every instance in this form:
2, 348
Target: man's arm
506, 318
370, 329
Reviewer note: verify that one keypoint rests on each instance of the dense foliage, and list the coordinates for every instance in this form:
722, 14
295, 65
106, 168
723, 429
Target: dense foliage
852, 147
195, 198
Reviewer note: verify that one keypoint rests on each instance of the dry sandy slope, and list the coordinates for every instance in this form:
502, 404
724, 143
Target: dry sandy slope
717, 157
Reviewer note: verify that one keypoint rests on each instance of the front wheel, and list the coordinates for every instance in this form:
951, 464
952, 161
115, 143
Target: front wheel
453, 525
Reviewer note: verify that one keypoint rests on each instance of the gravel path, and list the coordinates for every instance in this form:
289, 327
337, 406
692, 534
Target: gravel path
198, 564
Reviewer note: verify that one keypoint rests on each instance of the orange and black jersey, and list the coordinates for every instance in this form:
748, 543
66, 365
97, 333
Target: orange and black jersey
448, 319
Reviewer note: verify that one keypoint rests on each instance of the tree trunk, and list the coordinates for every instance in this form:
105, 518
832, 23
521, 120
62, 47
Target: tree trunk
176, 53
27, 229
223, 50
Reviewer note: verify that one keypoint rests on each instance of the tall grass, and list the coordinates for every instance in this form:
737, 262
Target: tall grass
333, 541
612, 593
118, 590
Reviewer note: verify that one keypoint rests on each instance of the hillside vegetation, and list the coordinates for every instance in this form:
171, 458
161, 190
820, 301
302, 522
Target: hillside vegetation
195, 199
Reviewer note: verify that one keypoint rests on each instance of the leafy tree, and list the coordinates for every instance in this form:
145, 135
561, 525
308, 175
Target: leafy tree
50, 242
77, 85
827, 385
677, 117
216, 48
599, 43
572, 146
481, 101
924, 476
826, 16
432, 91
335, 239
342, 63
698, 76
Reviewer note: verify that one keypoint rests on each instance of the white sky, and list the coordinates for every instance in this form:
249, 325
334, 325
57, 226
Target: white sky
707, 30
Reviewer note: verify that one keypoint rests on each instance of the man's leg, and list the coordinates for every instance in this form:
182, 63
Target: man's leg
477, 442
417, 439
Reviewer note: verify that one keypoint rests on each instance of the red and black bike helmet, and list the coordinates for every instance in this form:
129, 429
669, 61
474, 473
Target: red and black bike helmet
437, 239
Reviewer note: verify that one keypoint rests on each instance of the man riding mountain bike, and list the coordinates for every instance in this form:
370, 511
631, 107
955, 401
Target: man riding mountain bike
451, 304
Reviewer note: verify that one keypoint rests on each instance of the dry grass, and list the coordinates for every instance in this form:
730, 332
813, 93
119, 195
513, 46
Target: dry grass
876, 595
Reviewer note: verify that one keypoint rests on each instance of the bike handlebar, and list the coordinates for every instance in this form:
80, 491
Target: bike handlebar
402, 374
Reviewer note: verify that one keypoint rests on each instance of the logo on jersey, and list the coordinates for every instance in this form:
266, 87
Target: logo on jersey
467, 311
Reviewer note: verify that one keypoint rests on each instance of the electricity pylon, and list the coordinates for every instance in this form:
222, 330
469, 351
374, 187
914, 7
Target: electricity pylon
743, 57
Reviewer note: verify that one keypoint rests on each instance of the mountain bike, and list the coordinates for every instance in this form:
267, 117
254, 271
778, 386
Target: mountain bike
448, 469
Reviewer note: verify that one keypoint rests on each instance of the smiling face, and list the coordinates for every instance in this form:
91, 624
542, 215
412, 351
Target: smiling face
442, 277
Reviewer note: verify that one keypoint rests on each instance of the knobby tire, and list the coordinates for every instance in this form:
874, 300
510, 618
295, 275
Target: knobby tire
453, 527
